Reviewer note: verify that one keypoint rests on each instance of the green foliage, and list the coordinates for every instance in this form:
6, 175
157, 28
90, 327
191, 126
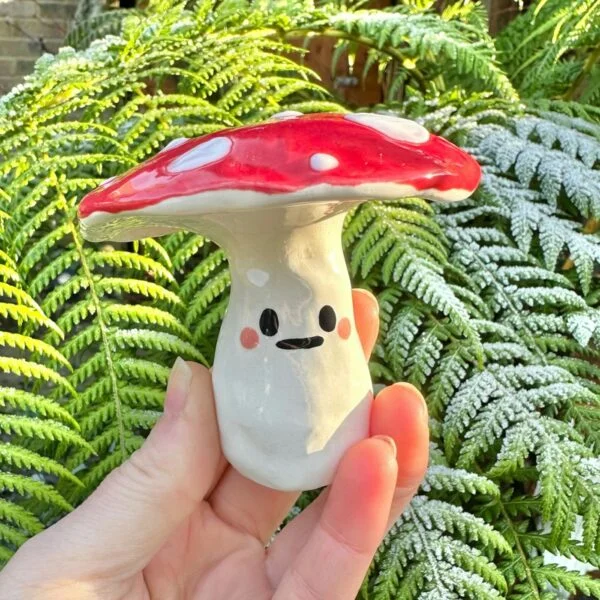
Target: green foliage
542, 178
90, 27
420, 49
433, 550
403, 245
33, 426
552, 50
489, 306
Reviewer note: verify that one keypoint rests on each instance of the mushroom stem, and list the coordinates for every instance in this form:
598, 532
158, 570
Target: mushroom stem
294, 394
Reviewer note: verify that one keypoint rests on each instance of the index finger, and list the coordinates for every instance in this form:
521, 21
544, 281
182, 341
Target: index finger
334, 559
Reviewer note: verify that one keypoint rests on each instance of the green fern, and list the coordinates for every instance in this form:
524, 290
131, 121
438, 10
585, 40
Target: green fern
530, 322
32, 424
489, 306
551, 51
432, 550
416, 48
88, 26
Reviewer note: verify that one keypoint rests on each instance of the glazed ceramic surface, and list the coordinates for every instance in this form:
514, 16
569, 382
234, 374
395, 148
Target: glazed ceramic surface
305, 393
291, 383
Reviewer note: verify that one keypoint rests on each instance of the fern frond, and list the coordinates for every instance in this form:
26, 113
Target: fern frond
27, 487
516, 162
86, 30
403, 244
32, 424
550, 50
427, 555
463, 54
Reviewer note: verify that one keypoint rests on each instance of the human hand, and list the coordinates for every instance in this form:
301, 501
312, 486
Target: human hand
176, 522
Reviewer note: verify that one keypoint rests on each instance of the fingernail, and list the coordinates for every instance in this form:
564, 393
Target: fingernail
424, 411
178, 387
390, 443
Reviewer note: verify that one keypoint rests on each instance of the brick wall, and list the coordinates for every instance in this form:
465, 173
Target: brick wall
28, 28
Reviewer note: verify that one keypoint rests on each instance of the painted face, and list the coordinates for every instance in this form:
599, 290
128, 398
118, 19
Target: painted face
269, 326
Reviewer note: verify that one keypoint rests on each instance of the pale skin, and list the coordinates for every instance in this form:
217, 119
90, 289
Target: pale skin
176, 522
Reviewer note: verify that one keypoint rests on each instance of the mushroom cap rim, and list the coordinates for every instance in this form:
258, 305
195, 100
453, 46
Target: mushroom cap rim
163, 215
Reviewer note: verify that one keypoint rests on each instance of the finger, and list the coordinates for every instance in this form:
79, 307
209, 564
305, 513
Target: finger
366, 317
290, 541
127, 519
250, 507
337, 554
400, 412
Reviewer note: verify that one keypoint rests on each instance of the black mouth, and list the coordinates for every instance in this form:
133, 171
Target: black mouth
300, 343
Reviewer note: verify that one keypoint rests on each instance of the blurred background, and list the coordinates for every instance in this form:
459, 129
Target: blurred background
28, 28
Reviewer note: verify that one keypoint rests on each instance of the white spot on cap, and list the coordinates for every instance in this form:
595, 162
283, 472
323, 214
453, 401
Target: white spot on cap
202, 154
323, 162
286, 114
394, 127
174, 143
257, 276
107, 182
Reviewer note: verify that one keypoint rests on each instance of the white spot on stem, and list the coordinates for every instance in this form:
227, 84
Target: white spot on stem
257, 277
394, 127
323, 162
202, 154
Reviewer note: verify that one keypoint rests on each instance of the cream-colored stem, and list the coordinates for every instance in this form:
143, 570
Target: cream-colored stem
287, 416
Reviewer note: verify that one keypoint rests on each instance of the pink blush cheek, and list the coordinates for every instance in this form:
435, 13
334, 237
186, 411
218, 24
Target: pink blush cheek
344, 328
249, 338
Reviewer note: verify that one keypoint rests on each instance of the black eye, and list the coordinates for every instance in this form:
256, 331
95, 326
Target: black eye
269, 322
327, 318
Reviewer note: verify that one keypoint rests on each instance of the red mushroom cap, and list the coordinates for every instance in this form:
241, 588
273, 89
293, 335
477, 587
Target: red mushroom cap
288, 160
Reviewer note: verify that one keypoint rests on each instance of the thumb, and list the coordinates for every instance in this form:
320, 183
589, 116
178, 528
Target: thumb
118, 529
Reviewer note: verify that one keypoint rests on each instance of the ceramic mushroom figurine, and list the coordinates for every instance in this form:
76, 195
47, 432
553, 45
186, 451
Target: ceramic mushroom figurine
291, 384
